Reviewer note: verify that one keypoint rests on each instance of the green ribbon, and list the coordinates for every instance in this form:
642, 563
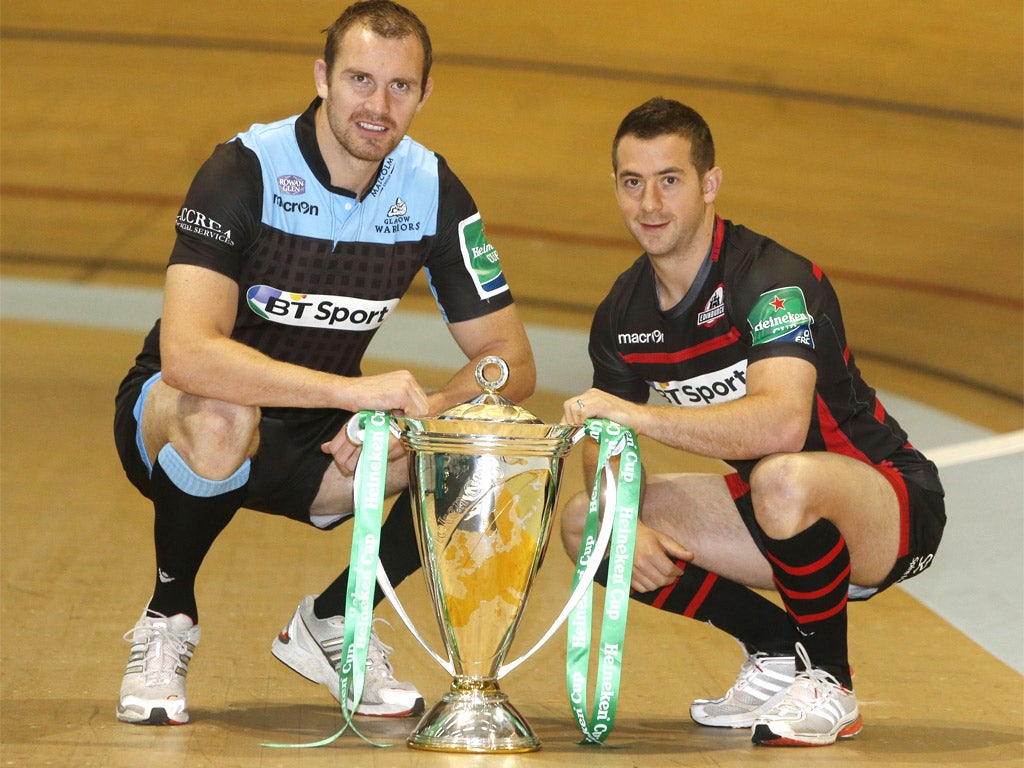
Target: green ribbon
613, 440
368, 487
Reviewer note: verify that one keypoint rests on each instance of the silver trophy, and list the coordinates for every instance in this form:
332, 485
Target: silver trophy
484, 480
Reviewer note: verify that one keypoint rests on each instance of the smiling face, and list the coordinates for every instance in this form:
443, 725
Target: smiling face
667, 206
370, 96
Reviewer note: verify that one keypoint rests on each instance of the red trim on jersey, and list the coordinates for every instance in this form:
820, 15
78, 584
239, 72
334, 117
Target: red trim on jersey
685, 354
835, 439
718, 238
879, 411
803, 570
817, 272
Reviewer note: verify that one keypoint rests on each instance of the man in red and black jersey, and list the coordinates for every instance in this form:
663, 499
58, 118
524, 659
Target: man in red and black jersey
744, 342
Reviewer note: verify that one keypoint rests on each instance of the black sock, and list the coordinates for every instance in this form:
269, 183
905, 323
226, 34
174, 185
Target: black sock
185, 527
812, 572
751, 618
399, 554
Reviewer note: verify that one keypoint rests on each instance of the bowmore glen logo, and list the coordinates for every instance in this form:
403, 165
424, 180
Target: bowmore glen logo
197, 223
781, 315
642, 337
714, 309
721, 386
481, 258
290, 184
306, 310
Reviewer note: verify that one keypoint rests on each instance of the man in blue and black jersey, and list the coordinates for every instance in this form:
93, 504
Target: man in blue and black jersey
295, 243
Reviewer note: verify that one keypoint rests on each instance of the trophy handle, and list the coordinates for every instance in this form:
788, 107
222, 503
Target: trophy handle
604, 534
389, 593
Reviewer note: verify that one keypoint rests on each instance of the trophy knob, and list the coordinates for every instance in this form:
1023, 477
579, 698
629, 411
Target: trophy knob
481, 373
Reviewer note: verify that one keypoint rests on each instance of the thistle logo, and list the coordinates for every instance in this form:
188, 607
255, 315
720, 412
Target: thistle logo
342, 313
481, 258
398, 220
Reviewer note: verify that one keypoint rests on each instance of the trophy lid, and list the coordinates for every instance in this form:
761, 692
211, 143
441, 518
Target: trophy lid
490, 405
489, 423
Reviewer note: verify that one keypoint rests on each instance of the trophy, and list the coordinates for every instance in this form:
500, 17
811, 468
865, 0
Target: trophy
484, 479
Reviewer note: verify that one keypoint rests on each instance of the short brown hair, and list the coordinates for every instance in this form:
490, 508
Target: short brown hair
382, 17
660, 116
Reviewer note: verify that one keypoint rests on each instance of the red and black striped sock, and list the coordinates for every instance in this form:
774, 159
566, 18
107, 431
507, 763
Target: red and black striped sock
812, 573
751, 618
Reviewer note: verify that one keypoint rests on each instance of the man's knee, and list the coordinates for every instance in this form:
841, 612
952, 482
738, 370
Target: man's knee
779, 490
212, 436
573, 521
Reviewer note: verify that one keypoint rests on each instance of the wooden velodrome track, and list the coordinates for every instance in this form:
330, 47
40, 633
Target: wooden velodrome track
881, 139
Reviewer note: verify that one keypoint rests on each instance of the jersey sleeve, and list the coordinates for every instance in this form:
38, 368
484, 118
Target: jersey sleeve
463, 268
780, 297
220, 216
611, 373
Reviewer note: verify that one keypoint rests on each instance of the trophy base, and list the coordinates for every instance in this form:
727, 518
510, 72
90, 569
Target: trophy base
474, 716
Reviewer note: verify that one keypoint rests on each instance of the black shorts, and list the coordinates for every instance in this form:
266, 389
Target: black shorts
286, 472
922, 520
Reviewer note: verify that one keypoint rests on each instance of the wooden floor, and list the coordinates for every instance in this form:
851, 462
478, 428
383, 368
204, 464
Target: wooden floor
882, 140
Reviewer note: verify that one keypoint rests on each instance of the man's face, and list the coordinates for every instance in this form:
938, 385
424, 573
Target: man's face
373, 91
665, 204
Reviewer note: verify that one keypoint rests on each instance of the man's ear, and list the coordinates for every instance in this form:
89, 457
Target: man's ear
428, 88
712, 183
320, 77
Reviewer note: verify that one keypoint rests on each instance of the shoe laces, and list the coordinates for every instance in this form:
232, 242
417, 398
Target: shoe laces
378, 653
811, 687
160, 649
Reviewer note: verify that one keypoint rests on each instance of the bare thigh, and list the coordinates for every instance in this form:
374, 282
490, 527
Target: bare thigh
791, 492
698, 511
335, 495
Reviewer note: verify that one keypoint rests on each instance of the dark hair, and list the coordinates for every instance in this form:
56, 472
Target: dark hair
660, 116
382, 17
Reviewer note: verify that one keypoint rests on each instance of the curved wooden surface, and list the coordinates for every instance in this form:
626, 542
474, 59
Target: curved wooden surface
883, 140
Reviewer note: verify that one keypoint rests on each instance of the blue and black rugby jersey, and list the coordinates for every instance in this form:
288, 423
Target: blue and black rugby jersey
751, 300
320, 270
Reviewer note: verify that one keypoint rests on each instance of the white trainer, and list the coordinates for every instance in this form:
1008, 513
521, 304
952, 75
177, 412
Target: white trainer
153, 688
815, 711
312, 647
761, 682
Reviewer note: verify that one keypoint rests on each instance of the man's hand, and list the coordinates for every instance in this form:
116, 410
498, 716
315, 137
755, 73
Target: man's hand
594, 403
395, 391
346, 452
654, 559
